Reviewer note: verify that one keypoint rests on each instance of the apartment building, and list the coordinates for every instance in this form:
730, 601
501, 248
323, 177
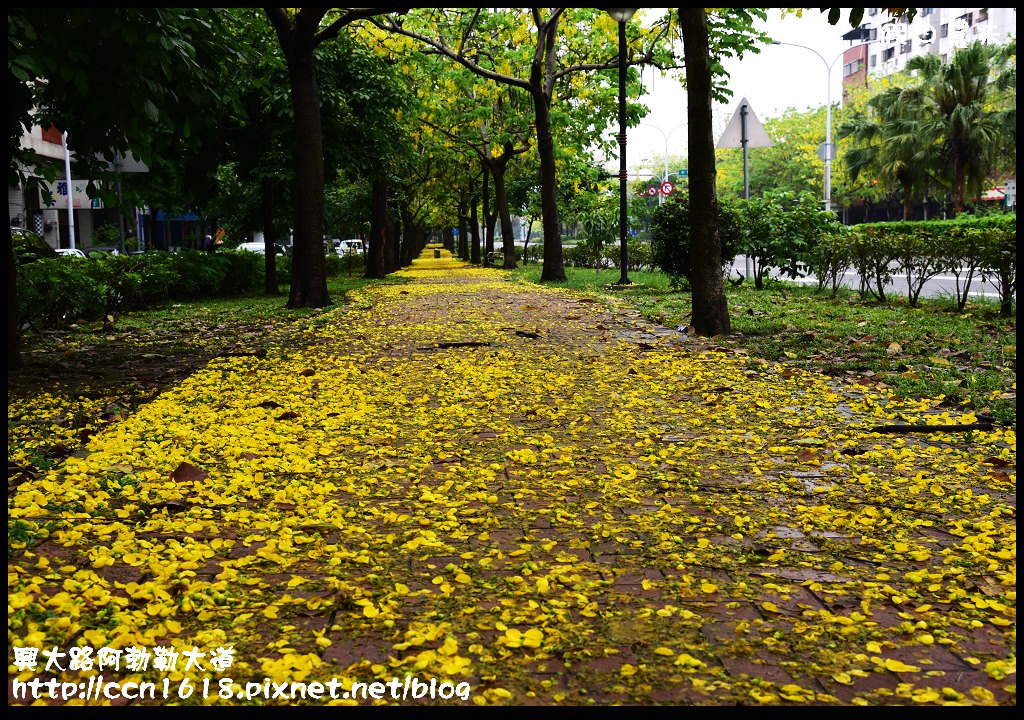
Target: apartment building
883, 46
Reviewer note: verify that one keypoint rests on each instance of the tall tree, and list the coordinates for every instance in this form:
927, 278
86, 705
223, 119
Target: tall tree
299, 33
971, 114
710, 307
890, 144
533, 54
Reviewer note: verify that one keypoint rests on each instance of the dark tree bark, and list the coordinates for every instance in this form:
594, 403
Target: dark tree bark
298, 41
508, 246
378, 224
13, 329
710, 307
391, 263
489, 217
270, 254
554, 265
409, 234
463, 241
474, 224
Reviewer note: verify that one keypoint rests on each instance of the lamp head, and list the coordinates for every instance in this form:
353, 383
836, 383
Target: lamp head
621, 14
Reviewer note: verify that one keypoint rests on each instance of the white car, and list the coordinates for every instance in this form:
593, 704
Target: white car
348, 247
259, 247
71, 252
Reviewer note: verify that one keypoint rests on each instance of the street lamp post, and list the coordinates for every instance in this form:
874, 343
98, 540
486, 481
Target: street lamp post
621, 16
829, 149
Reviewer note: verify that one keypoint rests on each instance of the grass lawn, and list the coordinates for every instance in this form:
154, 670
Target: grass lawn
969, 357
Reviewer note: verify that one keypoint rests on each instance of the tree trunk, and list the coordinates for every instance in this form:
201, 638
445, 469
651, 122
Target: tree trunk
309, 264
463, 240
378, 223
710, 307
474, 225
526, 240
554, 267
391, 254
958, 186
489, 216
907, 202
508, 246
270, 254
408, 234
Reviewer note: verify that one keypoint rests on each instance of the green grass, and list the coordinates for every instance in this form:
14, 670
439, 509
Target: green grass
967, 357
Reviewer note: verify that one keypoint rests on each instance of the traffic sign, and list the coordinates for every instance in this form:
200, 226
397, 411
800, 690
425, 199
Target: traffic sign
667, 188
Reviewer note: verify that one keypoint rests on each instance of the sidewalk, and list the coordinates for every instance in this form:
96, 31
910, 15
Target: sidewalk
510, 486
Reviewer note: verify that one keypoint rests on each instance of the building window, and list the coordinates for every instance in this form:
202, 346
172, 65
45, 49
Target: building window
874, 61
872, 11
905, 47
983, 15
853, 67
888, 54
944, 30
925, 12
968, 18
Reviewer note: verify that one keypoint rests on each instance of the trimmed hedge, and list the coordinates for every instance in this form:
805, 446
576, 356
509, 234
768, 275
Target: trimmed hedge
59, 291
967, 248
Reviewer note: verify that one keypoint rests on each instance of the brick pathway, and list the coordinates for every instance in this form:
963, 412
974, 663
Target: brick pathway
471, 480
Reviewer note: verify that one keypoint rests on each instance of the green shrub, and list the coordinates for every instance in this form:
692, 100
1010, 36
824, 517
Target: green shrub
873, 255
781, 230
55, 292
832, 258
59, 291
670, 237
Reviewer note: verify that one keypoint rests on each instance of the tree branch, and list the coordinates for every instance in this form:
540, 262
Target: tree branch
457, 57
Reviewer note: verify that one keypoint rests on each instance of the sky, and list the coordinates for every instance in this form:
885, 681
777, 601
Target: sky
777, 78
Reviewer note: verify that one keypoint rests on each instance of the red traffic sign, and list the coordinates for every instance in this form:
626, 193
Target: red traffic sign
667, 188
652, 191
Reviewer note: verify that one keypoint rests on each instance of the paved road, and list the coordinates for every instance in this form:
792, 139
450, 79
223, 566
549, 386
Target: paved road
939, 286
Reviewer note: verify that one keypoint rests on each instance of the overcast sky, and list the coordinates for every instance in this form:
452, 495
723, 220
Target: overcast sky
777, 78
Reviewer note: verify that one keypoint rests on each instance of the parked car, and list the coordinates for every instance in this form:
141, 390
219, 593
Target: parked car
29, 246
348, 247
260, 248
71, 252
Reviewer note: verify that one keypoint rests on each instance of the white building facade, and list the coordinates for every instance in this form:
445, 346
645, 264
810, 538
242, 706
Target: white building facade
888, 44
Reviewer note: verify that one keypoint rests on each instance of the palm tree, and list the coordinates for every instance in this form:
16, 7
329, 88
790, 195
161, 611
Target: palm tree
971, 113
889, 142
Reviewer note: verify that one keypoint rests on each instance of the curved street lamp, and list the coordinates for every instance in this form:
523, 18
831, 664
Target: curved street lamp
828, 151
621, 16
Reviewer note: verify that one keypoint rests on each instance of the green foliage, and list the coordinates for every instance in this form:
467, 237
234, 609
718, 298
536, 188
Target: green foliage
965, 247
781, 230
108, 235
55, 292
998, 255
832, 258
670, 236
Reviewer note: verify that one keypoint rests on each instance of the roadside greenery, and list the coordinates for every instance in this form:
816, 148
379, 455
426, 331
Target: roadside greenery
966, 356
55, 292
